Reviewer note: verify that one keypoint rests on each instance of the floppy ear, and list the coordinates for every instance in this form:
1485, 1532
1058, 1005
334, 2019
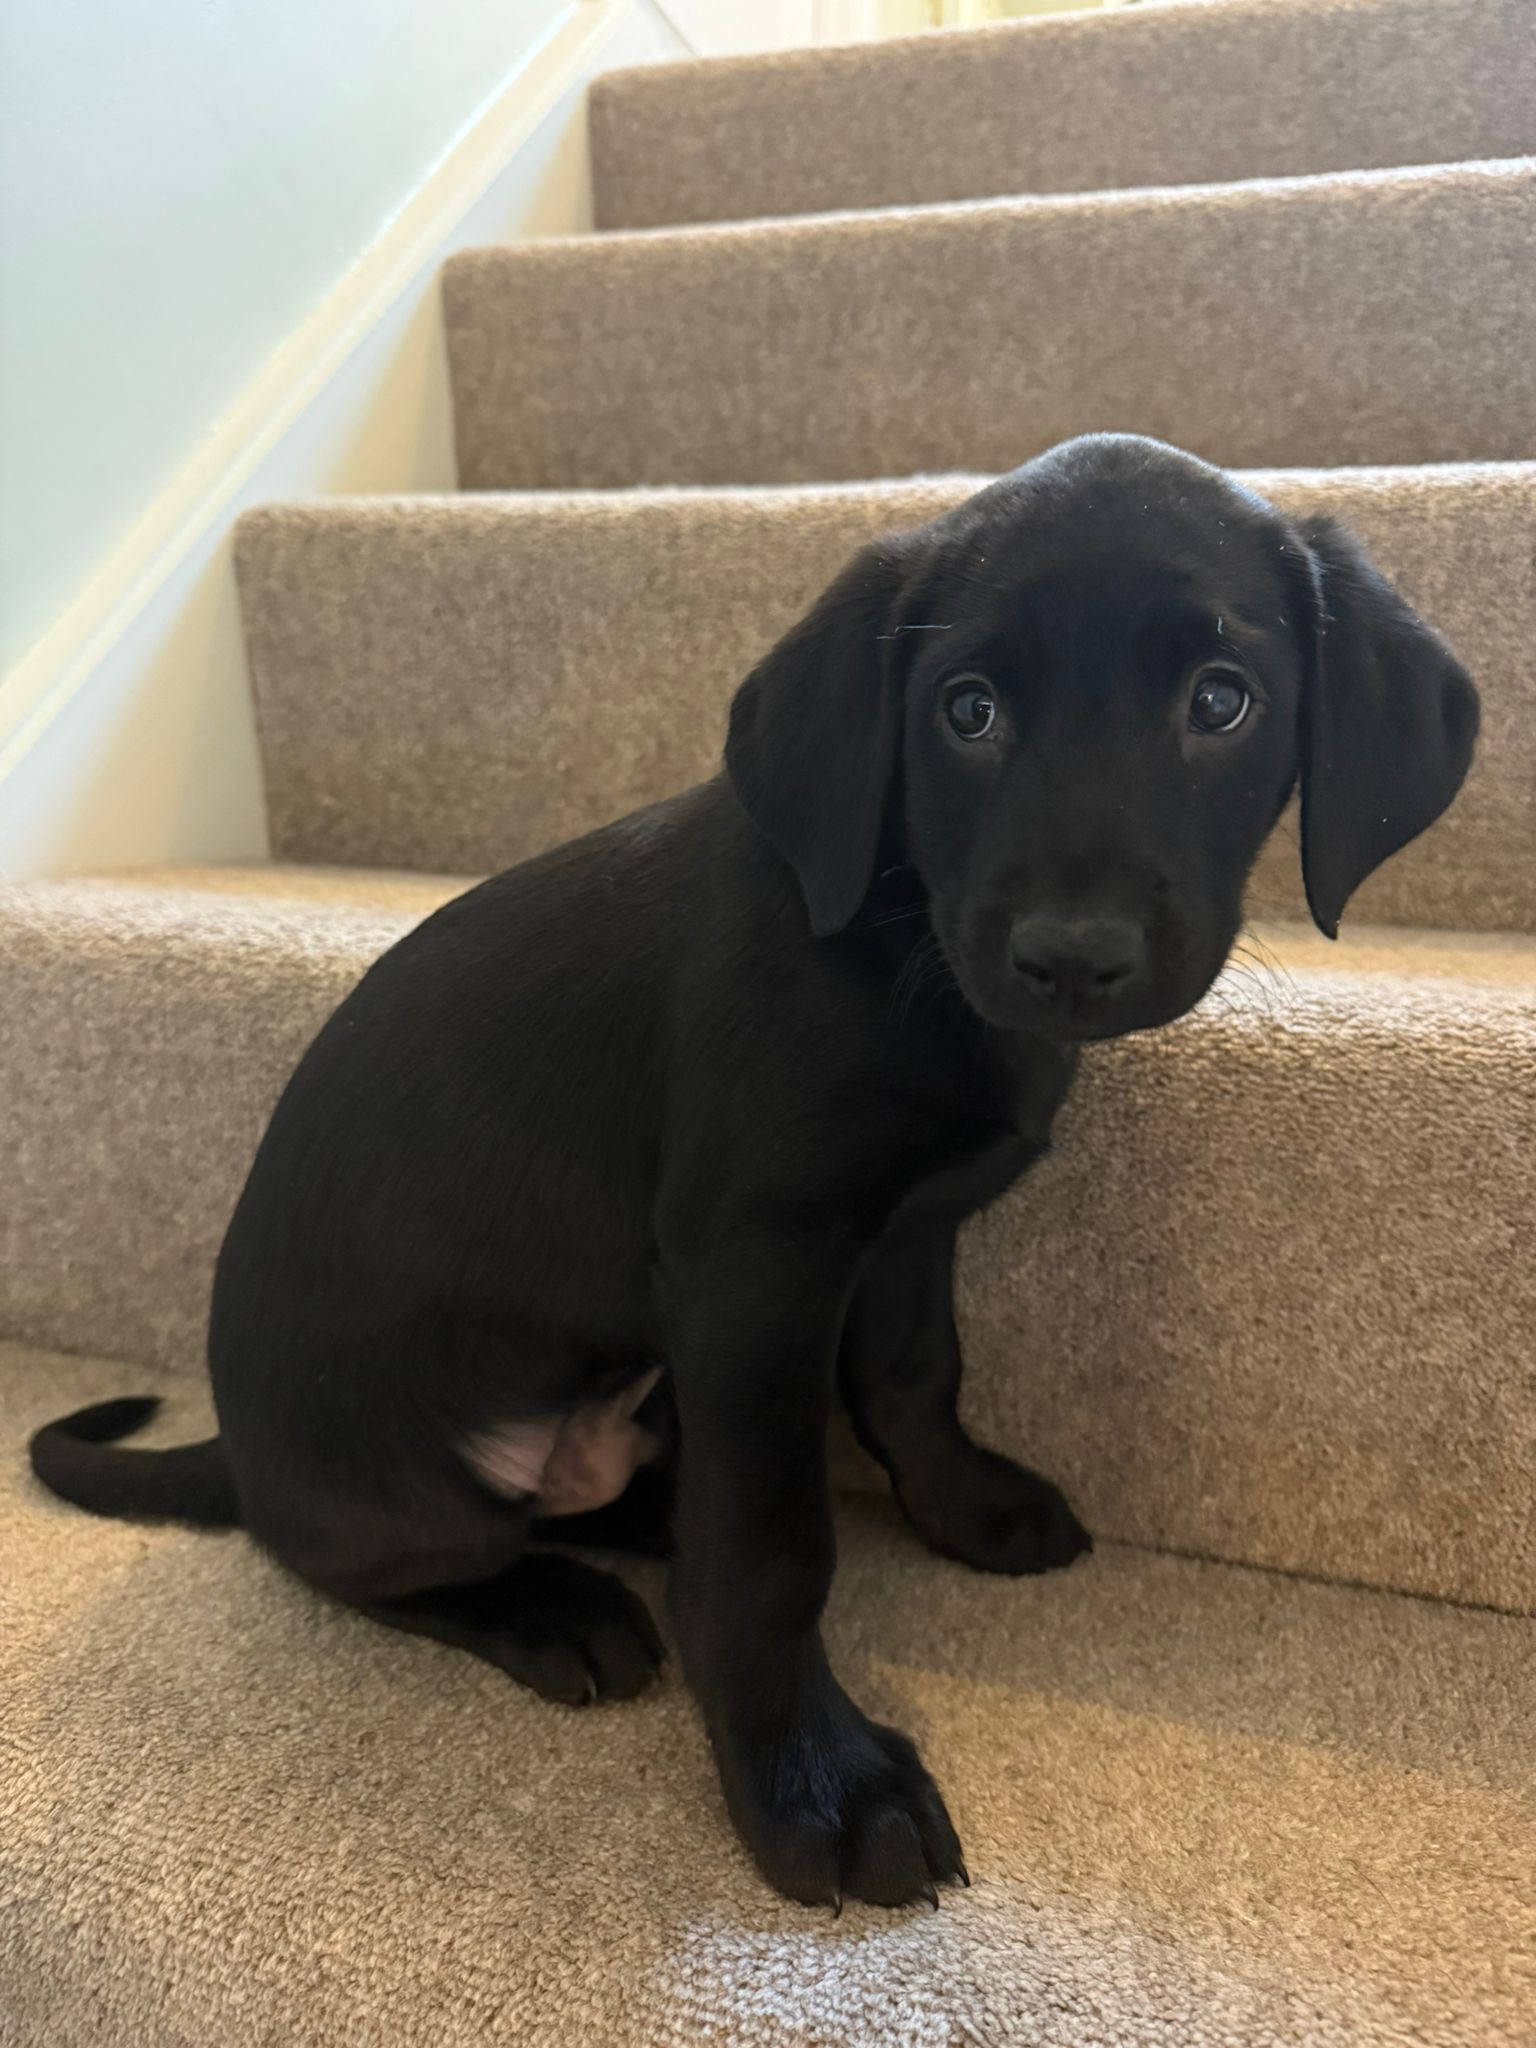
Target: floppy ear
815, 735
1388, 723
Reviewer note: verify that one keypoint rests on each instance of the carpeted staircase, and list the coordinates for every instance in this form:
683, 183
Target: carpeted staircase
1263, 1770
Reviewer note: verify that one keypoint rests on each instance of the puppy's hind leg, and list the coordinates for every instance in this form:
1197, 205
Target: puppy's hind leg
456, 1566
562, 1628
429, 1532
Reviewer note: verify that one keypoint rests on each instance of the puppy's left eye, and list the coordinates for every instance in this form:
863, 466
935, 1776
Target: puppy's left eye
1220, 701
970, 707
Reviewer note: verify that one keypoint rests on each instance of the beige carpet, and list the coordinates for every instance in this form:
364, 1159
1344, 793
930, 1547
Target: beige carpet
1200, 1806
1079, 103
456, 683
1376, 316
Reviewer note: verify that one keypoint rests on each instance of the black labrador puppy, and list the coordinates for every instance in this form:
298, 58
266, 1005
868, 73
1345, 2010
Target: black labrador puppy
620, 1166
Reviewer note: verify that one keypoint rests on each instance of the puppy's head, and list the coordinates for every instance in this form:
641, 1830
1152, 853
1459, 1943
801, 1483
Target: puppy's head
1075, 706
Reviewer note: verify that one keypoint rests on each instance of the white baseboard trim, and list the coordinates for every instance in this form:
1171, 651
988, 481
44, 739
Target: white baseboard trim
126, 734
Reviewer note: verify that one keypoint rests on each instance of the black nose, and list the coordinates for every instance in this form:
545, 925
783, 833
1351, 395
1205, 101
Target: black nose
1076, 959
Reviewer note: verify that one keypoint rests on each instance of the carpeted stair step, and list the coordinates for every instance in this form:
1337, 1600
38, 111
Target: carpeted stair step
1087, 102
1268, 1300
453, 684
1200, 1805
1380, 316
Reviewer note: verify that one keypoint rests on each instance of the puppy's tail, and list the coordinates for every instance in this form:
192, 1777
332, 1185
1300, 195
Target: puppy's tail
78, 1459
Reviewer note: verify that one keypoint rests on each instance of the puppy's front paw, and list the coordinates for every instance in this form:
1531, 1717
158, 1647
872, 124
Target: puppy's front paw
997, 1517
836, 1807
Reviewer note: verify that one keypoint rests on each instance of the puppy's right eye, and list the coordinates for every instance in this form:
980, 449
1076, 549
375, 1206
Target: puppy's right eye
1220, 701
970, 707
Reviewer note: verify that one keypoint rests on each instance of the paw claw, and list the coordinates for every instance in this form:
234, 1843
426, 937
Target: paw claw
851, 1815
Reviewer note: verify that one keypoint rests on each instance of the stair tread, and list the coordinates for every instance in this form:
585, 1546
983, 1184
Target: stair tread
456, 682
218, 903
1145, 195
1279, 321
1197, 1802
277, 900
1090, 101
374, 508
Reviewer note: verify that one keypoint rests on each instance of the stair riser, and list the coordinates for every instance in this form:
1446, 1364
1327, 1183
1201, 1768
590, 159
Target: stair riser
1265, 1303
1165, 96
1384, 318
1268, 1298
452, 688
138, 1083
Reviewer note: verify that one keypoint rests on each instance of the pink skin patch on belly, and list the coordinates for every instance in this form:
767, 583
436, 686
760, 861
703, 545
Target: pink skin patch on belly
569, 1463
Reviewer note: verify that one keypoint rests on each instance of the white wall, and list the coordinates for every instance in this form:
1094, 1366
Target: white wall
126, 734
722, 28
180, 182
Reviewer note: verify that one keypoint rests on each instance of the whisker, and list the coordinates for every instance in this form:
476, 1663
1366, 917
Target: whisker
1251, 946
873, 924
1251, 983
924, 968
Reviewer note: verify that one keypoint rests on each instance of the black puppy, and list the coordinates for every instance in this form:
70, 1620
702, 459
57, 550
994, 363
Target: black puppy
633, 1155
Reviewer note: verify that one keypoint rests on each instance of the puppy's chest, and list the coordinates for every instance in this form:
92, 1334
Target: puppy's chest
991, 1133
1030, 1079
975, 1173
